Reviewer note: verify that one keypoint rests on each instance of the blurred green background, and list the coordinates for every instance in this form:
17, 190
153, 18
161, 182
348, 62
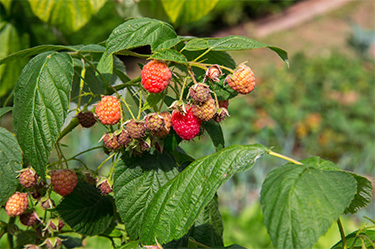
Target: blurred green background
322, 105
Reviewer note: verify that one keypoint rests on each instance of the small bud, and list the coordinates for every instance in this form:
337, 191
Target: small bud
214, 72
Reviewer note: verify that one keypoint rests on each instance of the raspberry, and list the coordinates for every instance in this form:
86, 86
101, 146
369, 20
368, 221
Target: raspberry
108, 110
154, 122
105, 188
144, 146
124, 138
28, 178
204, 111
28, 219
220, 114
199, 93
186, 126
167, 118
242, 80
110, 141
17, 204
155, 76
136, 129
214, 72
63, 181
86, 119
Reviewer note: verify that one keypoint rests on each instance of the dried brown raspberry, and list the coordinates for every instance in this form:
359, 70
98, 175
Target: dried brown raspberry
105, 188
86, 119
199, 93
124, 138
220, 114
154, 122
29, 219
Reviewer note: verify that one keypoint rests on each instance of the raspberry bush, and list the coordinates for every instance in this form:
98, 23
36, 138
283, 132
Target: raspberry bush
153, 195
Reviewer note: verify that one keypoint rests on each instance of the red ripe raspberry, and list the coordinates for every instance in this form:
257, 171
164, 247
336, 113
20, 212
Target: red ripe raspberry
155, 76
204, 111
136, 129
124, 138
63, 181
28, 178
110, 141
242, 80
17, 204
154, 122
28, 219
167, 118
105, 188
108, 110
186, 126
86, 119
199, 93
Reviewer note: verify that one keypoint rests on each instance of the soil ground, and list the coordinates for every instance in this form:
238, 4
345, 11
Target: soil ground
315, 35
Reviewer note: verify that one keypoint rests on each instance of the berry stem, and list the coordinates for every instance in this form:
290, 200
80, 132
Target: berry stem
140, 105
284, 157
203, 54
97, 170
81, 84
114, 162
10, 243
182, 89
96, 70
200, 245
342, 234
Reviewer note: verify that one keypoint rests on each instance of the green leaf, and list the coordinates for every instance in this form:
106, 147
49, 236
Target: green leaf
169, 55
36, 50
232, 43
223, 90
92, 48
105, 66
86, 211
300, 202
5, 110
216, 134
68, 16
152, 101
139, 32
41, 102
171, 42
7, 5
186, 11
11, 162
357, 239
136, 181
178, 203
363, 196
11, 41
208, 228
131, 245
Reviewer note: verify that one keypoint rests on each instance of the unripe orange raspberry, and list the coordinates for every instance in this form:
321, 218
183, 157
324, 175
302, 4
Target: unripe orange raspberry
17, 204
63, 181
108, 110
205, 111
242, 80
155, 76
167, 117
28, 178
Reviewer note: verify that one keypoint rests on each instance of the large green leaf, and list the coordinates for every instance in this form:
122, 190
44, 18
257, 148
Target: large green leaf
69, 15
178, 203
185, 11
363, 197
36, 50
139, 32
86, 211
231, 43
169, 55
136, 181
41, 102
10, 163
300, 202
358, 240
11, 41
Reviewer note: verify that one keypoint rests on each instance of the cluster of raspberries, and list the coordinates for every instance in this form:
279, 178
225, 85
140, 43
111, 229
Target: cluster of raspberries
186, 121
